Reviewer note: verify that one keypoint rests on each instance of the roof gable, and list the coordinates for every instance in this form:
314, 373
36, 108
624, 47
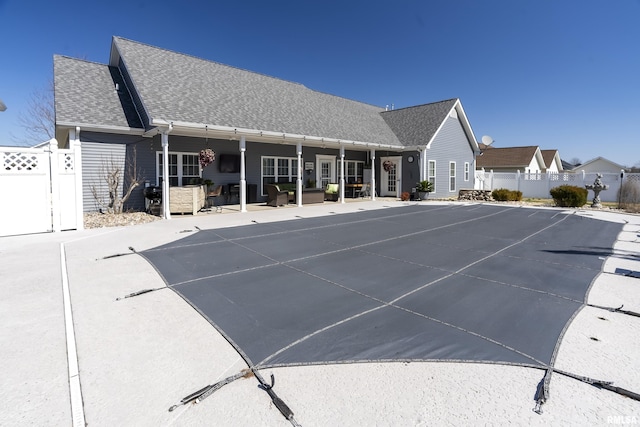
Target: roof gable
86, 95
419, 125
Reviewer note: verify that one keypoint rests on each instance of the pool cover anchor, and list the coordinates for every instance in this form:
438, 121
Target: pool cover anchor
133, 251
542, 393
616, 310
141, 292
204, 392
279, 403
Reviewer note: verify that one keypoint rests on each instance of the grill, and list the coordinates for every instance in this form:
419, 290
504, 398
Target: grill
153, 194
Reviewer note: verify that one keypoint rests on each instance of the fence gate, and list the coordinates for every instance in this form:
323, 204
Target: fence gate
38, 189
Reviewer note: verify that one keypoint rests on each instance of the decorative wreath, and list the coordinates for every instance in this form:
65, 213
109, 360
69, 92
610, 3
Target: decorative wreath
207, 156
388, 165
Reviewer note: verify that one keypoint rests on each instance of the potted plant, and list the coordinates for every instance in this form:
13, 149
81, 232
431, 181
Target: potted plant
424, 188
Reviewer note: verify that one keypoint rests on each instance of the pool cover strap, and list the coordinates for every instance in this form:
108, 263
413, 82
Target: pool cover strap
542, 394
207, 391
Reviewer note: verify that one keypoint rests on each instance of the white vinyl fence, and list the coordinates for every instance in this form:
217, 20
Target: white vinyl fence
40, 189
538, 185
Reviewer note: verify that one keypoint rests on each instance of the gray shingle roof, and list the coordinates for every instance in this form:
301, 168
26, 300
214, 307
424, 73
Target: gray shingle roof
85, 94
179, 87
417, 125
176, 87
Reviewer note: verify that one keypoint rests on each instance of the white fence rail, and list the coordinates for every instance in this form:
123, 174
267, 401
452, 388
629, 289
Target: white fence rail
538, 185
40, 189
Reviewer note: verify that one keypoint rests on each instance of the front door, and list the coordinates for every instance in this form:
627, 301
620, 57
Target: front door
326, 172
390, 176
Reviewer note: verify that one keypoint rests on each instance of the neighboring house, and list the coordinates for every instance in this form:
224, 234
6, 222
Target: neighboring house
511, 159
552, 161
164, 107
598, 165
566, 166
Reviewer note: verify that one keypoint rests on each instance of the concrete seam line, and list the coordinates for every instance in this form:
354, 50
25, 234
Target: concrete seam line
75, 392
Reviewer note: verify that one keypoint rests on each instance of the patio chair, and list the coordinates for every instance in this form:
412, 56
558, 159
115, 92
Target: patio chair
276, 197
212, 198
365, 191
332, 192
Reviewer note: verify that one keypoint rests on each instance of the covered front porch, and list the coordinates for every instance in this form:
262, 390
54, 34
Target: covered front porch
247, 161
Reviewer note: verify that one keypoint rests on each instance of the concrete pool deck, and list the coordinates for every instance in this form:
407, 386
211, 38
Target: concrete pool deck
139, 356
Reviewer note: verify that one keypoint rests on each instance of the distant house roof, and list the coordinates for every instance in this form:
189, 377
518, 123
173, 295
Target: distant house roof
551, 156
508, 157
159, 88
599, 162
567, 166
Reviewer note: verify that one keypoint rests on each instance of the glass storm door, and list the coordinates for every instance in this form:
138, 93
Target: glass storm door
326, 171
390, 176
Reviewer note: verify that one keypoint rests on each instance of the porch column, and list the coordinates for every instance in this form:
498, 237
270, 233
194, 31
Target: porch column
299, 178
166, 213
74, 144
341, 174
243, 177
373, 174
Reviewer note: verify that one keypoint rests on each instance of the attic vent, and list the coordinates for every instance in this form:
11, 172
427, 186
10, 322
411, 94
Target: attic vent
453, 114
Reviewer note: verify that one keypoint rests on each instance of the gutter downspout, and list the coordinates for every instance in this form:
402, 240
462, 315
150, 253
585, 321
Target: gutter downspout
166, 212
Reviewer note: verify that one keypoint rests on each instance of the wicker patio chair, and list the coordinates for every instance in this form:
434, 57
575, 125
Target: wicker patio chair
276, 197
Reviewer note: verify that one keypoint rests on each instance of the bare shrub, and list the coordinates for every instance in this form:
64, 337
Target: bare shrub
119, 181
629, 197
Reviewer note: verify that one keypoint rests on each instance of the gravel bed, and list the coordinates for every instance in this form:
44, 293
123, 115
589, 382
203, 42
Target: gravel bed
101, 220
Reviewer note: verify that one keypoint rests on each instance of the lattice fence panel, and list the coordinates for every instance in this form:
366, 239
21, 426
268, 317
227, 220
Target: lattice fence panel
20, 162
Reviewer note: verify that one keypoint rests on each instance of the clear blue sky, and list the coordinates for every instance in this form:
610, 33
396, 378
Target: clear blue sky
560, 74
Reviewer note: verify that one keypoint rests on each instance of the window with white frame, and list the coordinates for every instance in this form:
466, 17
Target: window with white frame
278, 169
466, 171
431, 173
184, 168
452, 176
353, 171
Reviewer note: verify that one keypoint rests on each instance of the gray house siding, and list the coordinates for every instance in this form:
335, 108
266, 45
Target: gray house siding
96, 157
101, 149
451, 145
98, 148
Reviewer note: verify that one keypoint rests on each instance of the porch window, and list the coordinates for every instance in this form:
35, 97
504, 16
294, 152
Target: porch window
466, 171
184, 169
452, 176
353, 171
278, 169
431, 173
